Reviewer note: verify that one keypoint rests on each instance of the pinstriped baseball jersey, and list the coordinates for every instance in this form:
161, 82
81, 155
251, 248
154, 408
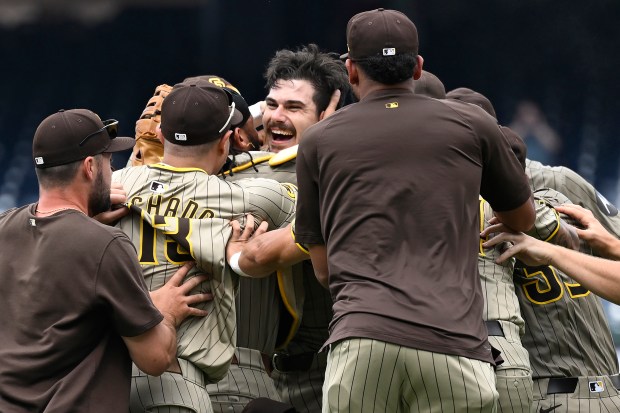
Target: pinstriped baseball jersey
182, 214
575, 188
306, 312
500, 300
258, 304
566, 333
513, 377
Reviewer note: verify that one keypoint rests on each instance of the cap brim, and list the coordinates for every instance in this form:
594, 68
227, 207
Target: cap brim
120, 143
237, 118
344, 57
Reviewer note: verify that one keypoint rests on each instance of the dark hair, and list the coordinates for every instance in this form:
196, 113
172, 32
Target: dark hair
324, 71
58, 176
389, 70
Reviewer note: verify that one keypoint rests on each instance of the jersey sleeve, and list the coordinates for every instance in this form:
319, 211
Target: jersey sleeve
504, 183
271, 201
308, 217
121, 286
547, 221
583, 193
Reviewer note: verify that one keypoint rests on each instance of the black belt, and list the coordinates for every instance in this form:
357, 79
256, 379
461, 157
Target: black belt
293, 362
494, 328
569, 384
264, 357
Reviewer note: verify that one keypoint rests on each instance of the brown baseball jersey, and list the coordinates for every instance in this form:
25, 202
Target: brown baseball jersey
390, 186
394, 237
71, 287
183, 214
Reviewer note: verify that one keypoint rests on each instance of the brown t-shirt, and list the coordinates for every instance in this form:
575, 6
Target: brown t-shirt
71, 288
390, 185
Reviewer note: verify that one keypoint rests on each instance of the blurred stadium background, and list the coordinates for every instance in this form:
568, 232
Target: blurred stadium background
109, 55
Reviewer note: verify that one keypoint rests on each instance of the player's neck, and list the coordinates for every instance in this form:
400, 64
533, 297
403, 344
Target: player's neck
204, 162
51, 202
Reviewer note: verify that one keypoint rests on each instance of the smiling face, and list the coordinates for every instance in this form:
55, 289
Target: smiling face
288, 112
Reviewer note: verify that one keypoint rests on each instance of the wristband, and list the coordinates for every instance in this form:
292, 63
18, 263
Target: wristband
234, 264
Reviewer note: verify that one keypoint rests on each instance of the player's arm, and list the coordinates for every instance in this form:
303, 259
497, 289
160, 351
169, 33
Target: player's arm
519, 219
602, 242
549, 226
599, 275
118, 202
154, 351
318, 255
261, 253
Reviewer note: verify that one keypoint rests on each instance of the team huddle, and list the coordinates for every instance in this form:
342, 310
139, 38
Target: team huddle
359, 241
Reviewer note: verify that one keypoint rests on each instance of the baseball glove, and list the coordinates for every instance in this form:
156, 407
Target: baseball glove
148, 148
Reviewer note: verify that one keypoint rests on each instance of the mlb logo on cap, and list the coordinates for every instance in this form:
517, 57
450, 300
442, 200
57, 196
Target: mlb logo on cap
180, 136
38, 160
389, 51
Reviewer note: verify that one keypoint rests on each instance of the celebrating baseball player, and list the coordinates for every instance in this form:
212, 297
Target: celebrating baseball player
180, 210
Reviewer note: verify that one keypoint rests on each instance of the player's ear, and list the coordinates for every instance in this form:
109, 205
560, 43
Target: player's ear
160, 135
237, 140
88, 168
224, 143
417, 72
352, 70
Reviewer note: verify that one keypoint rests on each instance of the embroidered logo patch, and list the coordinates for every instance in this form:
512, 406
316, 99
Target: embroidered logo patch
391, 105
157, 187
596, 386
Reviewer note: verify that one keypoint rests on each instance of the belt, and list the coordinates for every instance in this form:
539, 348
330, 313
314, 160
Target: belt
293, 362
569, 384
264, 357
494, 328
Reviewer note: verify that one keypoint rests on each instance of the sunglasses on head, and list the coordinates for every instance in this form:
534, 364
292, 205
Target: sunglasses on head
230, 115
110, 126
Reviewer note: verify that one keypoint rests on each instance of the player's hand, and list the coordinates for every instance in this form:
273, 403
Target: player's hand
592, 231
332, 106
173, 299
531, 251
118, 202
240, 236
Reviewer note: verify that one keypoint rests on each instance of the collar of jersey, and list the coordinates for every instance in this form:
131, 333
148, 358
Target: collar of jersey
161, 165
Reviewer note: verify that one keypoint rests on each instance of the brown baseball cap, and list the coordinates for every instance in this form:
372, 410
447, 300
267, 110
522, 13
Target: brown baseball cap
71, 135
193, 115
380, 32
471, 96
213, 80
429, 85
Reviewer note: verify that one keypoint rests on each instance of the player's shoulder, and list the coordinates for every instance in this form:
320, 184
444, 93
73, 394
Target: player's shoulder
551, 196
261, 161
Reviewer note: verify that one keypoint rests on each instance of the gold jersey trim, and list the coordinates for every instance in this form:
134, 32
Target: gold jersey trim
284, 156
174, 168
290, 309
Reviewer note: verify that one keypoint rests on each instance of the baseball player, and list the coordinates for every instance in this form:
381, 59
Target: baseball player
513, 378
543, 351
572, 354
304, 86
180, 210
407, 297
